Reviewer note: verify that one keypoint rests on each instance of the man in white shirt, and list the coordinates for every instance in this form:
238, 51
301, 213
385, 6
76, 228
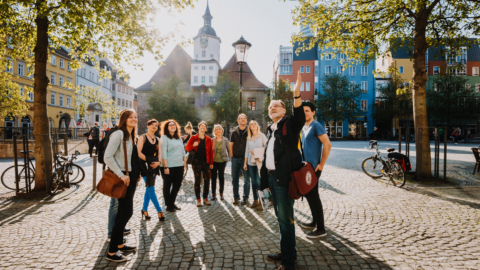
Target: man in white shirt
281, 158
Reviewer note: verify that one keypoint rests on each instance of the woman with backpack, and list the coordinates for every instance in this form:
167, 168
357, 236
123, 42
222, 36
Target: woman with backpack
174, 163
203, 161
150, 153
221, 152
255, 139
122, 143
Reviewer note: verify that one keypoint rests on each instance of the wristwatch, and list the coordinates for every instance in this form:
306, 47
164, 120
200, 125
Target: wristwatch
298, 97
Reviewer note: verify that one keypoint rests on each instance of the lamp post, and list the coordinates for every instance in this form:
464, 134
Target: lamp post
241, 52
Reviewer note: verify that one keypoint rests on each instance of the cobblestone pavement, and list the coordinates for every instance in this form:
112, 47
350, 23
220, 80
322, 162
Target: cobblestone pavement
371, 225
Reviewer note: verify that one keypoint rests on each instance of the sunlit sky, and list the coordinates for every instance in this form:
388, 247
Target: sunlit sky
266, 24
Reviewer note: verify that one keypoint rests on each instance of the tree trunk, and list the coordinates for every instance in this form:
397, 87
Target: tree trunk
40, 121
423, 160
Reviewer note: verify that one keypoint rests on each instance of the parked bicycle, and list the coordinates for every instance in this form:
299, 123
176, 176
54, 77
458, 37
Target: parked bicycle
61, 176
379, 166
8, 176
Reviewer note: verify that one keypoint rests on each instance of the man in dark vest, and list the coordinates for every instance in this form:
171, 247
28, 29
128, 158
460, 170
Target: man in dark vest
276, 170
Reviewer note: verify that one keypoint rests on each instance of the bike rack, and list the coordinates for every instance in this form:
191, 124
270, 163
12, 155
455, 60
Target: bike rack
26, 168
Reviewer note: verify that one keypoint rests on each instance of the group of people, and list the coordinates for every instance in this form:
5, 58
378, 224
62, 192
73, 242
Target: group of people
266, 161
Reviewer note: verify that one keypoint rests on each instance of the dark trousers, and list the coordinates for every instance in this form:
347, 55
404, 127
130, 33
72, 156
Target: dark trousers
198, 168
91, 145
171, 185
218, 168
313, 199
124, 213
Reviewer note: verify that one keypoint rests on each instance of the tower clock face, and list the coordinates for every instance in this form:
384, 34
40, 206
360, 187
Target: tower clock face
204, 42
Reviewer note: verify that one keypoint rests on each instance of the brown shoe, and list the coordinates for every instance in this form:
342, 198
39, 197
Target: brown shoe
259, 207
254, 204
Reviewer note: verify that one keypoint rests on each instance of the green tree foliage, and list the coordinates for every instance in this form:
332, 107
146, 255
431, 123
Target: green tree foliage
168, 100
12, 97
450, 102
119, 30
394, 101
339, 99
280, 91
370, 26
88, 95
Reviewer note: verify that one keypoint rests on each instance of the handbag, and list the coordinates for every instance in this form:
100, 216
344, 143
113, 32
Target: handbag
111, 185
190, 157
304, 179
86, 134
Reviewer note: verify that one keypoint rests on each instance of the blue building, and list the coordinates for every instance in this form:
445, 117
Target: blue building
330, 62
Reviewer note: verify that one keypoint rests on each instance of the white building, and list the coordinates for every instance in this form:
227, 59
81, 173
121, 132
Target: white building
121, 92
206, 61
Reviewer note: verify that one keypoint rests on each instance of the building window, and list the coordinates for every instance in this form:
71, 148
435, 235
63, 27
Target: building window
21, 69
53, 78
364, 105
118, 102
302, 69
53, 60
210, 79
400, 70
307, 86
196, 56
468, 86
195, 79
285, 70
211, 67
203, 68
477, 87
196, 67
130, 104
328, 56
60, 100
383, 62
352, 71
30, 95
123, 102
364, 71
340, 70
308, 69
69, 101
203, 79
69, 68
123, 89
211, 56
204, 53
61, 64
292, 85
53, 98
9, 66
251, 104
328, 70
475, 71
302, 88
60, 80
436, 70
118, 88
364, 87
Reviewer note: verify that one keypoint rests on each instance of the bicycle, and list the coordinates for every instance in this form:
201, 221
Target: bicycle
378, 166
62, 174
8, 176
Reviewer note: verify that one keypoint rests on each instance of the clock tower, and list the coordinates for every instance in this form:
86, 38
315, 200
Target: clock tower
206, 54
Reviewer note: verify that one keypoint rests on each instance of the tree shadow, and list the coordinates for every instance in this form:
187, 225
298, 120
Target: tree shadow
464, 192
82, 204
18, 209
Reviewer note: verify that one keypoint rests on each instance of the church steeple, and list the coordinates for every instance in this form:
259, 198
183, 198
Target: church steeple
207, 17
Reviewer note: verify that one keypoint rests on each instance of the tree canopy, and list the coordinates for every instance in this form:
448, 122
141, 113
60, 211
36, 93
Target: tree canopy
366, 29
88, 95
394, 101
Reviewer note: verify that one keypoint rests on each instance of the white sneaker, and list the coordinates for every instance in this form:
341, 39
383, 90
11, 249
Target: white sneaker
199, 203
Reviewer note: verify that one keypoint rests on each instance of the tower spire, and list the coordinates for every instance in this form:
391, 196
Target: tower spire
207, 17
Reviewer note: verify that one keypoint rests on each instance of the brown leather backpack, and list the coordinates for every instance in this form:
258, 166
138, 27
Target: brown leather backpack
110, 184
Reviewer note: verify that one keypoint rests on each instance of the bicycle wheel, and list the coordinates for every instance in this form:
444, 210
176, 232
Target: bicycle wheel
398, 175
77, 174
372, 168
8, 177
56, 181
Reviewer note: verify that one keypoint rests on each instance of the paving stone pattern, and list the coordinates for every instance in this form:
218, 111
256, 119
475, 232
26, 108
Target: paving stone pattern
371, 225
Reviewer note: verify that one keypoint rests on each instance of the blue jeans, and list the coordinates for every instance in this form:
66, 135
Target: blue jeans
150, 196
237, 166
112, 214
255, 178
283, 207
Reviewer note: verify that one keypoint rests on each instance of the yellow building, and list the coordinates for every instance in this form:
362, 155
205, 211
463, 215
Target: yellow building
60, 99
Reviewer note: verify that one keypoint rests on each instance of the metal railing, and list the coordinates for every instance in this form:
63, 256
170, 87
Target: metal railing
7, 133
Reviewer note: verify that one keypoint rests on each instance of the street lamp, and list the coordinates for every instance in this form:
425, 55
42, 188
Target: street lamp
241, 52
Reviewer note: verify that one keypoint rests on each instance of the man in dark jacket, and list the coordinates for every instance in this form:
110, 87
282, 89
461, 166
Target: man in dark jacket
238, 143
281, 158
93, 139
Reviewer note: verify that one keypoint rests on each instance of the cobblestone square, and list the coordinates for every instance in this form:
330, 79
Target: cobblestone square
370, 224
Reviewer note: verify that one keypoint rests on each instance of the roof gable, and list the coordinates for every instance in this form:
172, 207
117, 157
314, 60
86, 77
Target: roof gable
249, 81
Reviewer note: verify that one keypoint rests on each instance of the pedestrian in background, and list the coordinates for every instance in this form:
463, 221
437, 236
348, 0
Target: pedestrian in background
281, 158
93, 138
188, 132
238, 143
253, 163
315, 150
115, 160
174, 163
150, 153
221, 152
203, 161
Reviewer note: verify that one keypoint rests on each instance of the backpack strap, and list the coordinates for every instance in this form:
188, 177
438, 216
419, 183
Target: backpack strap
125, 153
